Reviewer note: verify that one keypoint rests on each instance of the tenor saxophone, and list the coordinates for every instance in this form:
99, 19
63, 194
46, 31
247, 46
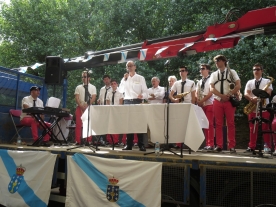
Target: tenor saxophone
250, 107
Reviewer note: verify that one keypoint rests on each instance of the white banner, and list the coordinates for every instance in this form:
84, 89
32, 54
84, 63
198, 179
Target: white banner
94, 181
25, 178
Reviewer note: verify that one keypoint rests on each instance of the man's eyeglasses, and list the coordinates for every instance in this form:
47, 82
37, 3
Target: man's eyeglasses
182, 71
257, 69
202, 68
217, 61
83, 77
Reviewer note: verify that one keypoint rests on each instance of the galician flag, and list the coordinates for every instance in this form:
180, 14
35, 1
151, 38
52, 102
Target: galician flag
94, 181
25, 178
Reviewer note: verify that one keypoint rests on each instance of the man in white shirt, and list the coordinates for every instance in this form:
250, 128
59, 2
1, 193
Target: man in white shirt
114, 97
156, 93
204, 99
257, 83
28, 120
85, 94
219, 82
135, 89
182, 86
104, 90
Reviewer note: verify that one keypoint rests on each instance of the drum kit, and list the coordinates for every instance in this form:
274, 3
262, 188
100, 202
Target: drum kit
271, 108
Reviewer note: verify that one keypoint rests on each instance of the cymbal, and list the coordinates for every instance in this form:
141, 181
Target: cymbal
260, 93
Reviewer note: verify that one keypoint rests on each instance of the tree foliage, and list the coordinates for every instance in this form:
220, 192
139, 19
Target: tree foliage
30, 30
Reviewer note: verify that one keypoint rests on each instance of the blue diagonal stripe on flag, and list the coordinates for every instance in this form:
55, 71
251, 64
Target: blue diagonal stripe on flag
100, 180
25, 191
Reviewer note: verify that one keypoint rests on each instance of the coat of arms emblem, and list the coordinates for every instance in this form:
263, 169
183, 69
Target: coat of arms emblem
16, 179
112, 191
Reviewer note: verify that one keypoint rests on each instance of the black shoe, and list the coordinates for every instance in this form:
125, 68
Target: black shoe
142, 148
249, 149
232, 151
127, 148
217, 150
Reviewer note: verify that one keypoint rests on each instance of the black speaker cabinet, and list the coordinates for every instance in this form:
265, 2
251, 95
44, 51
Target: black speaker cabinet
53, 72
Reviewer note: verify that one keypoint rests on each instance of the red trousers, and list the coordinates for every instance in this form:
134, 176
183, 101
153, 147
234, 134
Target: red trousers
221, 109
209, 133
78, 129
273, 128
254, 136
116, 138
31, 122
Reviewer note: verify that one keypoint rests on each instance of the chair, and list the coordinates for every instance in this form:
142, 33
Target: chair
18, 127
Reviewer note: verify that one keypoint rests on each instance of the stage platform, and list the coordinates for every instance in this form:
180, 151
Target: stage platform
201, 157
197, 179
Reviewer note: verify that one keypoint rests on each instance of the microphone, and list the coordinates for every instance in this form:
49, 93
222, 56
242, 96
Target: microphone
167, 62
127, 73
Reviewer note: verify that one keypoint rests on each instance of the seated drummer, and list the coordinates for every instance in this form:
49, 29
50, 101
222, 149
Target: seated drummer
28, 120
257, 83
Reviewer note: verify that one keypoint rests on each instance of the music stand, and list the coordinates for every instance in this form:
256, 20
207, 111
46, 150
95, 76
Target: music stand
260, 94
87, 99
166, 145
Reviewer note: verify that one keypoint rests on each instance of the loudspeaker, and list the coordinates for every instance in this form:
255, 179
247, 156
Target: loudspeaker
53, 72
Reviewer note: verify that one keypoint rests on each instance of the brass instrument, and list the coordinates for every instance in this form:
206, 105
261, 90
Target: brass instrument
250, 107
182, 95
200, 95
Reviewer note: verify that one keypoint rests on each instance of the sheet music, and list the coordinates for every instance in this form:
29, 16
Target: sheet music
53, 102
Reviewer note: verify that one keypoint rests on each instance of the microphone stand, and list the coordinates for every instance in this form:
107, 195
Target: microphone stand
166, 145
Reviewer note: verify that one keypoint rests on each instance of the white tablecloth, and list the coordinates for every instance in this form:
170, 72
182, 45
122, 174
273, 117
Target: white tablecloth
185, 122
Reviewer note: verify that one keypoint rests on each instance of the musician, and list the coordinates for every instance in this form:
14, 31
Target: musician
257, 83
104, 90
115, 97
82, 101
273, 124
171, 79
204, 99
219, 83
183, 85
135, 89
28, 120
156, 92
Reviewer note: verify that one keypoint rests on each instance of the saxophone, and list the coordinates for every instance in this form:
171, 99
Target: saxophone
200, 95
182, 95
250, 107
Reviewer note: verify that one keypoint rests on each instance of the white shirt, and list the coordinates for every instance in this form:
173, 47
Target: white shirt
81, 91
29, 100
189, 86
205, 92
159, 93
250, 85
117, 96
102, 93
134, 86
216, 77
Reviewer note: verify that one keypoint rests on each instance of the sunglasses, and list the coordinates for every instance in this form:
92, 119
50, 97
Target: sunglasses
257, 69
129, 66
182, 71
